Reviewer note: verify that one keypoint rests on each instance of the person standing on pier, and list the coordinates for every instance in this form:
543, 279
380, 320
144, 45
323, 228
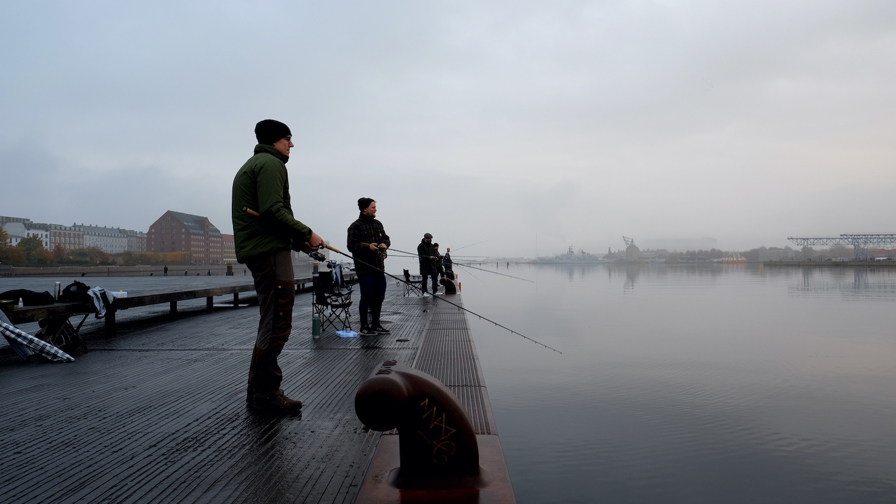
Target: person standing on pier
447, 263
426, 254
368, 241
437, 262
264, 243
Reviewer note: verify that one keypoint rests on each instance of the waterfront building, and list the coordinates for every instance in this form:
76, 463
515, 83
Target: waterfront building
136, 240
182, 232
229, 248
5, 219
66, 237
109, 240
17, 230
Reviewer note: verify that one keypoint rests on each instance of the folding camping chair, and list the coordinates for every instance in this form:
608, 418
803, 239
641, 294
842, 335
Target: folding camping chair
332, 298
410, 284
26, 345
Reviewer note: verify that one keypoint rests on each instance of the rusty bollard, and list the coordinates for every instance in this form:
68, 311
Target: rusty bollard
437, 444
448, 283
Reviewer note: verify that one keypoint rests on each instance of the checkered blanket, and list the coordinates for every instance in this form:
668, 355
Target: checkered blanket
20, 340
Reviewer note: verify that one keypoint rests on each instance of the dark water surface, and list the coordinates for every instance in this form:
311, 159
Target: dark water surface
720, 384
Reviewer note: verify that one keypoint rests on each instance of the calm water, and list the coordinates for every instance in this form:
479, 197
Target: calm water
692, 384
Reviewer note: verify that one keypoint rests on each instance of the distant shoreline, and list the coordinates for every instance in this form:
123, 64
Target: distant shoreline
831, 264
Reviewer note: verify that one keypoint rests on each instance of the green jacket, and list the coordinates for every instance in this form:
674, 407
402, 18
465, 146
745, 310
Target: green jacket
262, 184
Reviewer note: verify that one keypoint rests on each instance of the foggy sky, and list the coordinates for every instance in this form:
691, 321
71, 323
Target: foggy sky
528, 125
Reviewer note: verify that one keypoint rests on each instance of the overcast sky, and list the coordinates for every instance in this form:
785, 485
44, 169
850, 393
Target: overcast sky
522, 124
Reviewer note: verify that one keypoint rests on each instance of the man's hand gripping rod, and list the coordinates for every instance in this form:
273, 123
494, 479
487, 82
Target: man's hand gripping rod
314, 254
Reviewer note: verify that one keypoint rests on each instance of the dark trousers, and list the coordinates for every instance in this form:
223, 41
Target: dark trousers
435, 281
373, 292
276, 290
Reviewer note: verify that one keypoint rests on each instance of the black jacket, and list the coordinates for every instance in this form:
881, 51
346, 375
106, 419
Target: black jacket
367, 230
424, 252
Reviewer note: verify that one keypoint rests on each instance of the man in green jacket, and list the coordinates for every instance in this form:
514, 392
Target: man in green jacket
265, 233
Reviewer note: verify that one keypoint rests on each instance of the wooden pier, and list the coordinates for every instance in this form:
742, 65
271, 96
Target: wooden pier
157, 413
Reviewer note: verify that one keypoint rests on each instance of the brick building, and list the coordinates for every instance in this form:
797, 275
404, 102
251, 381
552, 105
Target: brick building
66, 237
181, 232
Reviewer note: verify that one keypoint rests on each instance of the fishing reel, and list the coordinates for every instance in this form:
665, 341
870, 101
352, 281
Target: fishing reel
317, 256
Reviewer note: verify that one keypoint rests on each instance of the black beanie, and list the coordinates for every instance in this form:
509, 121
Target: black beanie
270, 131
363, 203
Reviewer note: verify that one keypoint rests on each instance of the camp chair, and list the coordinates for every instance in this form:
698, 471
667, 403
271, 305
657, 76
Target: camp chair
26, 345
410, 284
332, 298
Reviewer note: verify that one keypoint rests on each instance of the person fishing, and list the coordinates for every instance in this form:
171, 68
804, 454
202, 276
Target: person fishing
447, 264
437, 262
264, 244
426, 254
368, 241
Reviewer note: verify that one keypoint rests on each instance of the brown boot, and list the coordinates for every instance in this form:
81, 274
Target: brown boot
276, 403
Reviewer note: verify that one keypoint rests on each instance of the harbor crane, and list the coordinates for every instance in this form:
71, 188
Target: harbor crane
859, 241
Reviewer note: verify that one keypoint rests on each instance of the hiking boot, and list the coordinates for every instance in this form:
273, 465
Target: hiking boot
276, 403
382, 330
366, 331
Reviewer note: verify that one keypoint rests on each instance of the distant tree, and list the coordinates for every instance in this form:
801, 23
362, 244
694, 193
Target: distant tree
4, 237
127, 258
35, 253
58, 252
13, 256
838, 250
95, 256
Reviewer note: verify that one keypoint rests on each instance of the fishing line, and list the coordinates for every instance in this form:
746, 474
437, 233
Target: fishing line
409, 284
472, 275
462, 265
445, 300
414, 254
465, 246
402, 280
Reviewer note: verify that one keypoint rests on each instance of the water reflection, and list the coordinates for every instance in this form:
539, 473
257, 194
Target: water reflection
852, 283
689, 383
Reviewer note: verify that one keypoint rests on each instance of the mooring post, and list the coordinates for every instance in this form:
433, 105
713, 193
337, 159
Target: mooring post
437, 443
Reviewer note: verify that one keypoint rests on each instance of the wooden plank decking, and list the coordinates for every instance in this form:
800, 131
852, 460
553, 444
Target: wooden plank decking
158, 413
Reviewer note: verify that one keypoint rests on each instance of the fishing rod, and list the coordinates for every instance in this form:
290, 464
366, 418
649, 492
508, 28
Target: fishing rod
402, 280
465, 246
462, 265
402, 254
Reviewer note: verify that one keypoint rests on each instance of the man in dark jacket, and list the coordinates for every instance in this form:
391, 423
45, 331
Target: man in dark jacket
447, 263
264, 242
437, 262
368, 241
426, 254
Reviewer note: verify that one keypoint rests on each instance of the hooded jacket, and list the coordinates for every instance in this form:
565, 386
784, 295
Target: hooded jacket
262, 184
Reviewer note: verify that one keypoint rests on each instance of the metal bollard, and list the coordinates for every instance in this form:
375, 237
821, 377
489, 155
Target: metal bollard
438, 447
